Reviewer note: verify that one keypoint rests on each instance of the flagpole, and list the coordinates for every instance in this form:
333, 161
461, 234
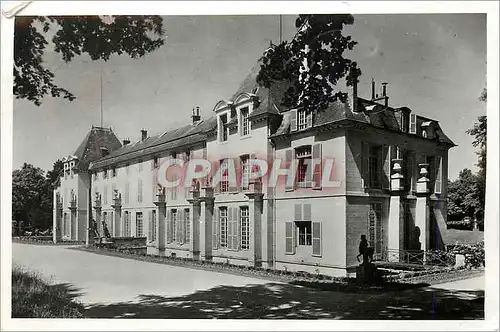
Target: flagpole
101, 99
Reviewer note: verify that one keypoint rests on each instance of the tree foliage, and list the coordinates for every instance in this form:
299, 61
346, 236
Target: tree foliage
99, 37
312, 62
464, 196
54, 175
31, 197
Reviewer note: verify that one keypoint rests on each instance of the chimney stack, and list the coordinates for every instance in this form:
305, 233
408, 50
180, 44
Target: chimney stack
384, 93
144, 134
196, 114
373, 88
126, 141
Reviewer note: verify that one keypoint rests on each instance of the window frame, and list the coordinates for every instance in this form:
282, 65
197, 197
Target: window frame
303, 167
223, 130
306, 235
223, 230
139, 224
224, 176
246, 128
244, 228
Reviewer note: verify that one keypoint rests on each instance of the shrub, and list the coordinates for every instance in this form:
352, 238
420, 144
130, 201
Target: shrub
474, 254
32, 297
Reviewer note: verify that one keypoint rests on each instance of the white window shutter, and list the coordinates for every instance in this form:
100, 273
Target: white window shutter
215, 229
298, 212
309, 119
386, 167
317, 171
306, 212
316, 238
289, 163
293, 120
365, 172
413, 123
289, 237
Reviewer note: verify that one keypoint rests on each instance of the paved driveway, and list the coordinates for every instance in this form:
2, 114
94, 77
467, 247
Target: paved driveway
105, 279
114, 287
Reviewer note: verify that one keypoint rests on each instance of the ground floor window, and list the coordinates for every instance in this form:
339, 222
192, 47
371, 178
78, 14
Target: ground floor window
245, 227
304, 230
223, 227
127, 227
375, 227
153, 225
65, 224
139, 226
174, 225
187, 227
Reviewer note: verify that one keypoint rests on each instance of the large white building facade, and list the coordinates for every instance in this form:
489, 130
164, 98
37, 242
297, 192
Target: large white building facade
386, 169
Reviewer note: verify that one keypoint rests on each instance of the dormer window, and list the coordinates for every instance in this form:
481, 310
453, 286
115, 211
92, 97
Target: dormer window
245, 122
113, 172
424, 133
300, 120
105, 174
223, 128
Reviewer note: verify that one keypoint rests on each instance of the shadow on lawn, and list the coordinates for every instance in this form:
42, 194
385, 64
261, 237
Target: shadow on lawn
286, 301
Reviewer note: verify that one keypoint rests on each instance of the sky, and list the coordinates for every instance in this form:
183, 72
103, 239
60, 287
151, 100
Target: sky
435, 64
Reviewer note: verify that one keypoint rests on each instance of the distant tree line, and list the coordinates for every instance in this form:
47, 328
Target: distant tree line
32, 196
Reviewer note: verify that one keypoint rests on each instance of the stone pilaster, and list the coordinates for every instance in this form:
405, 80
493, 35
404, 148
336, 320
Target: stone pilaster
194, 217
117, 207
422, 208
206, 222
57, 219
394, 241
255, 202
161, 213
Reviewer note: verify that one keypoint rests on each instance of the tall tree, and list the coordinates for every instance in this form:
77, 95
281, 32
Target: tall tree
54, 175
464, 196
312, 62
479, 134
31, 197
99, 37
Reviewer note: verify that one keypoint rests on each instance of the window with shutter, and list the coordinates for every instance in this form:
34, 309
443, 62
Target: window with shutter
317, 171
386, 168
150, 226
236, 229
223, 227
215, 228
293, 120
153, 226
187, 226
180, 224
413, 123
233, 186
438, 182
290, 184
230, 229
169, 226
290, 237
139, 224
365, 157
305, 170
306, 207
316, 238
245, 228
309, 119
127, 193
174, 225
298, 212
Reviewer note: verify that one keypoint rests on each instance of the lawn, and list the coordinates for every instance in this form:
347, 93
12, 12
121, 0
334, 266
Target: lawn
34, 297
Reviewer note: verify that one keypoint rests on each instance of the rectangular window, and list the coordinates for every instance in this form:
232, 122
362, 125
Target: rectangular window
245, 228
128, 229
224, 176
223, 128
174, 225
374, 166
305, 233
113, 172
139, 226
375, 227
304, 171
187, 226
153, 225
245, 122
245, 171
139, 191
105, 194
155, 162
301, 120
223, 226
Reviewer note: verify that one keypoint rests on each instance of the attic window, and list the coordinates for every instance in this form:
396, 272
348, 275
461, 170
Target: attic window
113, 172
424, 133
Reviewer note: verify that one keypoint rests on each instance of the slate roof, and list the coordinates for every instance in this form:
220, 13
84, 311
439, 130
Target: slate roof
90, 149
168, 140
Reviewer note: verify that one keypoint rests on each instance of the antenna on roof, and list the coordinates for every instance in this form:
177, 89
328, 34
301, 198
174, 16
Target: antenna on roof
101, 98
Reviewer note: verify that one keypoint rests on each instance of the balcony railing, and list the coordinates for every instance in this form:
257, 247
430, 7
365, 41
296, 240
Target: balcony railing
420, 257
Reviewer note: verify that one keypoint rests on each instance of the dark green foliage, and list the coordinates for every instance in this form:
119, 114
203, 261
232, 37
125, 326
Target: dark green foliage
99, 37
464, 197
32, 297
319, 41
474, 254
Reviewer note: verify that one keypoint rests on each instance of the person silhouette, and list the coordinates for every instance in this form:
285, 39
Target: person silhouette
363, 245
